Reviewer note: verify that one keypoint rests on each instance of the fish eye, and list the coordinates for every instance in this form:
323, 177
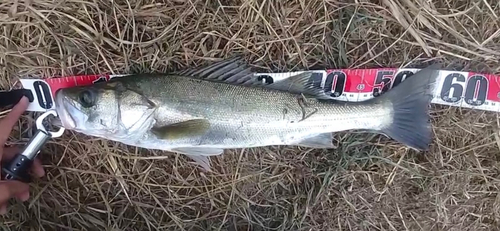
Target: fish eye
87, 98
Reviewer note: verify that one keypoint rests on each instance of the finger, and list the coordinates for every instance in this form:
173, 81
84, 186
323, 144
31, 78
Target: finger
9, 189
24, 196
3, 209
10, 119
36, 168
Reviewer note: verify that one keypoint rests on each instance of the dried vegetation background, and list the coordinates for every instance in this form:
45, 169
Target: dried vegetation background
367, 183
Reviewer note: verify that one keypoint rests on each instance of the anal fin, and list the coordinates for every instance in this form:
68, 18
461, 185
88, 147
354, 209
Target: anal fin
323, 140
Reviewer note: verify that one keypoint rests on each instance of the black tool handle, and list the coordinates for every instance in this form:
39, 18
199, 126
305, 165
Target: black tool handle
17, 169
9, 98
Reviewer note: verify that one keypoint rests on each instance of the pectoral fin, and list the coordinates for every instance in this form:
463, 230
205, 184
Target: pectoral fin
323, 140
182, 129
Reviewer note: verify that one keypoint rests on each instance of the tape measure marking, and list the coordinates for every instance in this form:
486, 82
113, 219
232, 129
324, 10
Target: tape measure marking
454, 88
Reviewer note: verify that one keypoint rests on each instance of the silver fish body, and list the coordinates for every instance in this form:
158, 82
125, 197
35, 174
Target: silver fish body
202, 115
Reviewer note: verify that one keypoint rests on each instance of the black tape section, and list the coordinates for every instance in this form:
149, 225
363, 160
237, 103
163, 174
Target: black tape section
10, 98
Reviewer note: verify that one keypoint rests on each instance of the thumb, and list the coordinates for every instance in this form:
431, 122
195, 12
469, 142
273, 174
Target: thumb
8, 122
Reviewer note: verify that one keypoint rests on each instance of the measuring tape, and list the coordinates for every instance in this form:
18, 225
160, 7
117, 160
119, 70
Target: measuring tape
454, 88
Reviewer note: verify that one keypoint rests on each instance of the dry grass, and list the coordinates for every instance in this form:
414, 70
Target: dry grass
367, 183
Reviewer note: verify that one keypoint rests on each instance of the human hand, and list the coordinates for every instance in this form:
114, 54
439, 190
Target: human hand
12, 188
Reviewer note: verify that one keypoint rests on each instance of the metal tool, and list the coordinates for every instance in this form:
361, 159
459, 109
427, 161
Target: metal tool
18, 168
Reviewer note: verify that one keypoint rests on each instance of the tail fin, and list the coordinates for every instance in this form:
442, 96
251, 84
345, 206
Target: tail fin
410, 101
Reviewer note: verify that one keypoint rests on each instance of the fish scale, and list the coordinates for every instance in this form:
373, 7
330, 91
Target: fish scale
235, 119
198, 116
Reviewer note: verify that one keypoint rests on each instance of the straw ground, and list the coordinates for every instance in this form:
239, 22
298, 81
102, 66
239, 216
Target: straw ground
367, 183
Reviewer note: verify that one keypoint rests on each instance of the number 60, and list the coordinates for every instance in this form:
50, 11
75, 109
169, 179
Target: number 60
475, 92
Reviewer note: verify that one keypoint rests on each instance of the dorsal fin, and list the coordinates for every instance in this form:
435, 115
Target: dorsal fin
236, 71
231, 71
300, 84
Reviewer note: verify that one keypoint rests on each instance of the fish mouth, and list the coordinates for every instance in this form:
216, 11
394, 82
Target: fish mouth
64, 107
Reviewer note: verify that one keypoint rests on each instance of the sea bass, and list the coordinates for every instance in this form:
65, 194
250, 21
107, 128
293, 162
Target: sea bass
203, 111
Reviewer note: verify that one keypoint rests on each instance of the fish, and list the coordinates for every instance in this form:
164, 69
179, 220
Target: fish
202, 112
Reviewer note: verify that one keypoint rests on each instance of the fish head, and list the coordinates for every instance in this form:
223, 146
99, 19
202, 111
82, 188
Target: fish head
104, 109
